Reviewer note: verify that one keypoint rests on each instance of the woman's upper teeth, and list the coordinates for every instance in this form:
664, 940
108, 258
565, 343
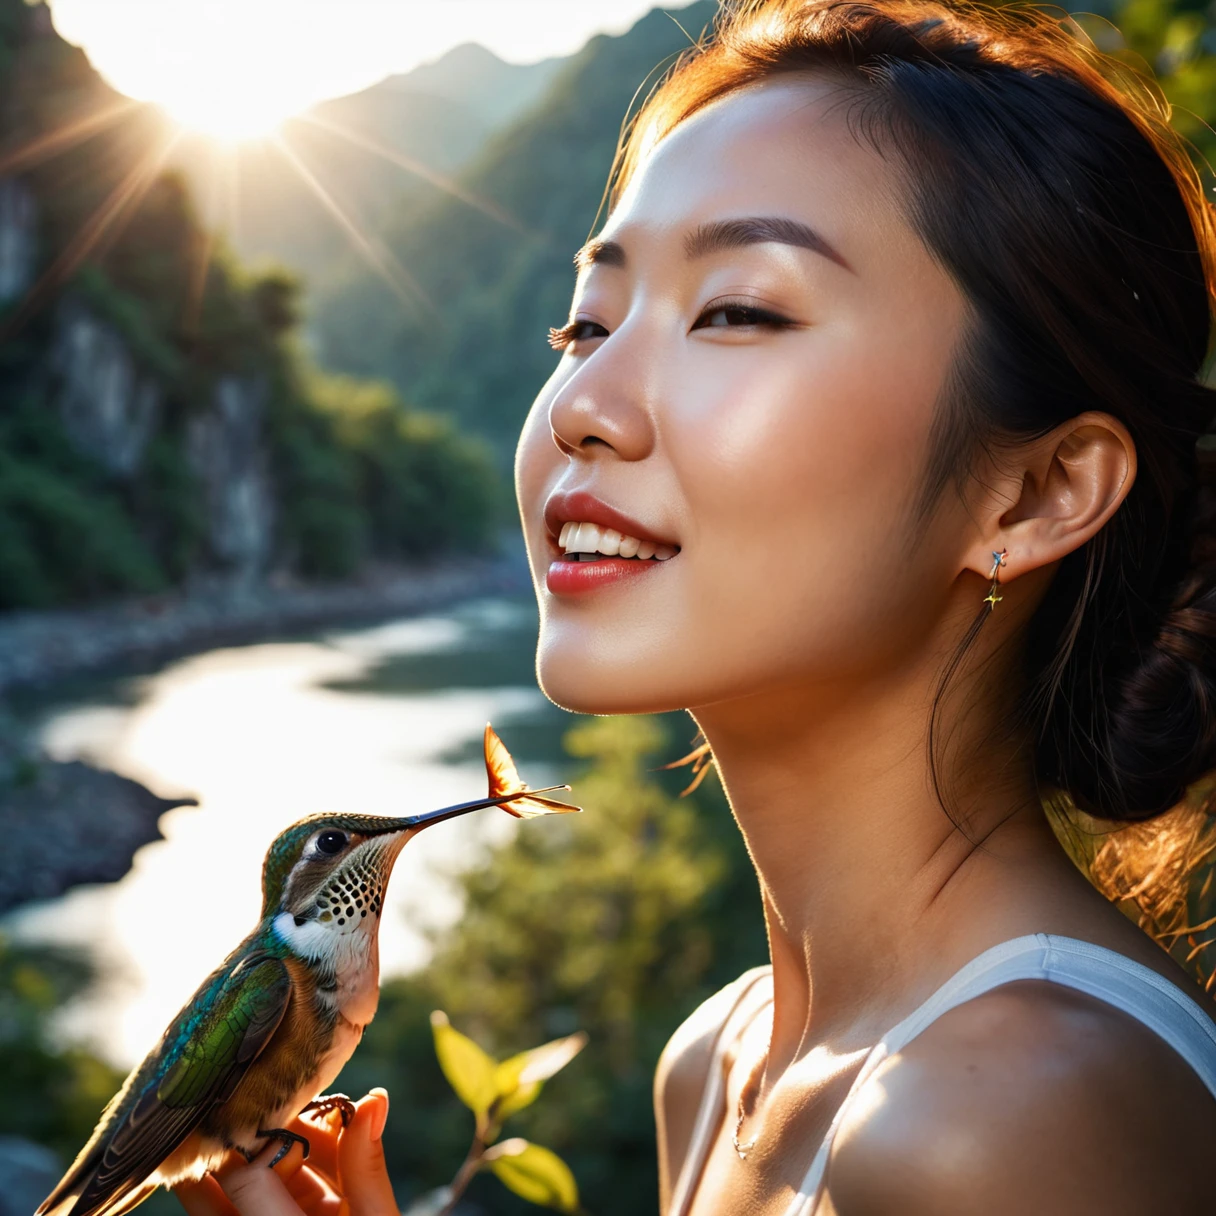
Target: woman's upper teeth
591, 538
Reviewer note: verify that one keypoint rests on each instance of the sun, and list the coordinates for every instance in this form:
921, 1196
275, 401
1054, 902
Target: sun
234, 69
230, 116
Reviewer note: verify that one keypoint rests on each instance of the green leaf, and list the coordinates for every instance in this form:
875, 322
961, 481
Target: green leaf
534, 1173
518, 1080
469, 1070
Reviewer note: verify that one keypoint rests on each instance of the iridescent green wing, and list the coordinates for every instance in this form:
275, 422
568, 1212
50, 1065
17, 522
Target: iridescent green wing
216, 1052
239, 1024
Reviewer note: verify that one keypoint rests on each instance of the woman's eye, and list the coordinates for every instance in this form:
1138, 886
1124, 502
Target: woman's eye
728, 315
732, 315
559, 339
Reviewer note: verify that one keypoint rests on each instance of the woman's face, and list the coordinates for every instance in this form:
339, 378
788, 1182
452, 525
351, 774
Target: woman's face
754, 368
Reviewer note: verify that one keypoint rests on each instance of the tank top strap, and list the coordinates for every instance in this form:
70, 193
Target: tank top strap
1137, 990
750, 993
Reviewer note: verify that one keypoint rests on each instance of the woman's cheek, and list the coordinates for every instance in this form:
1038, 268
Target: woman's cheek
536, 459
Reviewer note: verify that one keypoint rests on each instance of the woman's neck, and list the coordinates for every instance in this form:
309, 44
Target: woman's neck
872, 895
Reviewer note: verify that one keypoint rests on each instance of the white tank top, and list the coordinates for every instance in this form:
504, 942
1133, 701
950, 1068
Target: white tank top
1136, 989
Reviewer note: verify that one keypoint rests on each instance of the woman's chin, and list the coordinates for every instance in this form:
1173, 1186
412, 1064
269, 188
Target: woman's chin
588, 688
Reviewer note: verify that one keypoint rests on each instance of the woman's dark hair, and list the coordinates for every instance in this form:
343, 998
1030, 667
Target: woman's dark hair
1045, 178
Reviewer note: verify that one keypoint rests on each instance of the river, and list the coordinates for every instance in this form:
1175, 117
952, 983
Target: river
386, 720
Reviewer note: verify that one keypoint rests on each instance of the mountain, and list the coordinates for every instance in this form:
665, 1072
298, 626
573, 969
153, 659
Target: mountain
477, 79
158, 425
359, 150
495, 277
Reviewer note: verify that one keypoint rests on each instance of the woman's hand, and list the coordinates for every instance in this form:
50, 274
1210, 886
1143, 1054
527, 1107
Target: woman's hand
344, 1175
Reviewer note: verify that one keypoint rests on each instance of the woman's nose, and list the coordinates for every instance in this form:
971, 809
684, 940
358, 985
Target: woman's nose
605, 403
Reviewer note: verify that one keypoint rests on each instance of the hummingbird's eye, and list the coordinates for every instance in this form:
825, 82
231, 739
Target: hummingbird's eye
331, 842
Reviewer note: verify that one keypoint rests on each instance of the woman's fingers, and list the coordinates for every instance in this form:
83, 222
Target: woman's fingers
321, 1131
362, 1172
312, 1192
345, 1175
204, 1198
256, 1190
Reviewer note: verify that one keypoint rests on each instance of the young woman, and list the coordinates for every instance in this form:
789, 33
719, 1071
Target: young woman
873, 444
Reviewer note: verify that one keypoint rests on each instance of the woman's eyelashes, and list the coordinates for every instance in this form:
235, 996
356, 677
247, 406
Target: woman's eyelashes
559, 339
722, 314
739, 313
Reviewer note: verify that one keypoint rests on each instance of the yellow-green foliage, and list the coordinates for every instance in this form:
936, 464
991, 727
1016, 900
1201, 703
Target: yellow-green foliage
494, 1091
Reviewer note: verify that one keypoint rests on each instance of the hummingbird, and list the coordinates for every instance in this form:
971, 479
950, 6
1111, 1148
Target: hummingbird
273, 1025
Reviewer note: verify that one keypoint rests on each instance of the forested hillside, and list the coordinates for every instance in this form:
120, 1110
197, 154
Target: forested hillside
480, 352
157, 421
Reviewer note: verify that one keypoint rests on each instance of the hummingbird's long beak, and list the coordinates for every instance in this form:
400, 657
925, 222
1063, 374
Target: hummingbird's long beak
461, 808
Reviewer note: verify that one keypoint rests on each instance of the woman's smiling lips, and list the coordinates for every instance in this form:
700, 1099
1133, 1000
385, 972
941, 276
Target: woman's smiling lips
573, 577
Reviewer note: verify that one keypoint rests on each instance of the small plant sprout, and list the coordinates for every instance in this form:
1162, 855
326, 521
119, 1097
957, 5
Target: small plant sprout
494, 1090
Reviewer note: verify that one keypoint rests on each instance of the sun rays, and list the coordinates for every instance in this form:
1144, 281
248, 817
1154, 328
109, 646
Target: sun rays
399, 280
415, 167
222, 201
42, 147
92, 236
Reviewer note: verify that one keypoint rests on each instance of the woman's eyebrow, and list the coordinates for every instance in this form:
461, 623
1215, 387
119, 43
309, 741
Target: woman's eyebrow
715, 235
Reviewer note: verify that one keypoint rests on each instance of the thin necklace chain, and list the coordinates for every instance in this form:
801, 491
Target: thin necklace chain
753, 1082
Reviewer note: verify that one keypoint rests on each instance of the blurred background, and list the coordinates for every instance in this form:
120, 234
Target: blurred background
275, 279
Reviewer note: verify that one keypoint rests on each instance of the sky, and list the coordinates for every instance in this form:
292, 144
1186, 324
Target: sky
237, 67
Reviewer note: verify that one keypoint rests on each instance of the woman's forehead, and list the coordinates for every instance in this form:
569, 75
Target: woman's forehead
780, 148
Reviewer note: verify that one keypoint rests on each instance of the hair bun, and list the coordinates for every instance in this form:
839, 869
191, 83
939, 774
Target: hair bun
1160, 728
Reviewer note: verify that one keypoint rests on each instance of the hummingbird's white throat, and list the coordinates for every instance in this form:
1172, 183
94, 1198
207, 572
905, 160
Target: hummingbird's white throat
338, 926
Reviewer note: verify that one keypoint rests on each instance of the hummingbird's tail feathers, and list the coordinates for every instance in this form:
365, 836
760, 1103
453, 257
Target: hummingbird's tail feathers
114, 1177
504, 779
132, 1201
70, 1202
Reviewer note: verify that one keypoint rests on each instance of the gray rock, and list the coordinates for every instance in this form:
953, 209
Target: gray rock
72, 823
108, 407
18, 239
225, 451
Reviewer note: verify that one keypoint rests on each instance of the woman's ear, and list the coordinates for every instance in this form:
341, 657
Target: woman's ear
1047, 497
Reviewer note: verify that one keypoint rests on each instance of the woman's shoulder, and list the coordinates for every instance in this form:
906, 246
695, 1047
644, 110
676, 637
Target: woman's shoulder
683, 1070
1031, 1097
683, 1067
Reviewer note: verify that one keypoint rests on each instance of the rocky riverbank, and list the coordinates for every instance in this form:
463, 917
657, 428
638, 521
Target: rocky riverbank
71, 823
39, 648
65, 824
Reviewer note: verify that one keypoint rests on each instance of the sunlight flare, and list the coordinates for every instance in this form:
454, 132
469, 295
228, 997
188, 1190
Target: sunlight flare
125, 197
444, 181
402, 283
61, 138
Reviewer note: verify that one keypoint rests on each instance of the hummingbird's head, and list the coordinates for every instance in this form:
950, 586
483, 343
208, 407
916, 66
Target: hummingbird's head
332, 869
324, 878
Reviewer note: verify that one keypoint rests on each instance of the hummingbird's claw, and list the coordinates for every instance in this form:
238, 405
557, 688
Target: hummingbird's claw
287, 1138
339, 1102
